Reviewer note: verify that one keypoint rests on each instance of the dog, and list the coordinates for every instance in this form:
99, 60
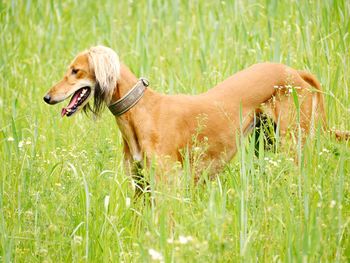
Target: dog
160, 127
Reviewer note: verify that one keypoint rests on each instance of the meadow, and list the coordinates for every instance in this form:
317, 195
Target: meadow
64, 196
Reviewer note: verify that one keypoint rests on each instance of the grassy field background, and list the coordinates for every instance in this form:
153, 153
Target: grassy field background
63, 193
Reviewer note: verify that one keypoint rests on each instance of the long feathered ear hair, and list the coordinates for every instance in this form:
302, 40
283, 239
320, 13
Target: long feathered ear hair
106, 66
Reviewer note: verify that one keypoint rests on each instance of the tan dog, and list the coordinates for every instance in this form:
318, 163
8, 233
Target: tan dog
161, 126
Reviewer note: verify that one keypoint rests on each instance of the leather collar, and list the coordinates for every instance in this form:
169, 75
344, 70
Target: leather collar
130, 99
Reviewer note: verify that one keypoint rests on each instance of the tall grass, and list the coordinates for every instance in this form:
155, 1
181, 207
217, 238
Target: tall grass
64, 195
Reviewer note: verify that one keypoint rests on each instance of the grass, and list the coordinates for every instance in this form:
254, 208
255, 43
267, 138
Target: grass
63, 193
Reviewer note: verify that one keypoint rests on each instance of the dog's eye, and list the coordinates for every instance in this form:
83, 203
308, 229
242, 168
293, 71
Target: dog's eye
75, 71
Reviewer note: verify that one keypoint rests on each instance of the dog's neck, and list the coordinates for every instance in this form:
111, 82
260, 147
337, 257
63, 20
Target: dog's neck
130, 122
125, 82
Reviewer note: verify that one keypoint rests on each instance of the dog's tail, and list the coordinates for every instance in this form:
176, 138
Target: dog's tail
317, 100
318, 105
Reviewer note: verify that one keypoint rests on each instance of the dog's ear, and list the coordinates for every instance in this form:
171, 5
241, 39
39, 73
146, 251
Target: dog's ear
106, 66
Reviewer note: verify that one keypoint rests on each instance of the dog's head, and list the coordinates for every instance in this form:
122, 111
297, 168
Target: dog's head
92, 73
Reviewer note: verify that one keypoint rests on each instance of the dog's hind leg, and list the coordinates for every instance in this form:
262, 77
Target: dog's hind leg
294, 108
264, 132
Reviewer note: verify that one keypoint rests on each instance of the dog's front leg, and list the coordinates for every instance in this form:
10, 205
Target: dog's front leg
134, 169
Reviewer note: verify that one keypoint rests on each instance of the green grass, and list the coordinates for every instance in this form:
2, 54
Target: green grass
54, 189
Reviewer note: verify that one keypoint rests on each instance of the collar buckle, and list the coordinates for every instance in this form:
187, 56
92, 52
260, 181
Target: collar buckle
145, 81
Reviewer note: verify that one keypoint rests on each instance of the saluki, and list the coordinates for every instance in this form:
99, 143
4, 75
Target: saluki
159, 127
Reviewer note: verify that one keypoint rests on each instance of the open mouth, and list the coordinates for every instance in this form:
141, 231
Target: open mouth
77, 100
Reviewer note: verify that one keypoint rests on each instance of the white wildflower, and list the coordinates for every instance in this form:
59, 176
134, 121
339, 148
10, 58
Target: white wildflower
274, 163
324, 150
77, 240
170, 240
155, 255
290, 88
185, 240
10, 139
28, 142
20, 144
332, 204
197, 149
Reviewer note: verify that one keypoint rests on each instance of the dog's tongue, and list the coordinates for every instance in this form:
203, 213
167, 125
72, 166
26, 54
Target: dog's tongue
71, 103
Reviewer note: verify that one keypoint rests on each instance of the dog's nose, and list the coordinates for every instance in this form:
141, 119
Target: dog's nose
47, 98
